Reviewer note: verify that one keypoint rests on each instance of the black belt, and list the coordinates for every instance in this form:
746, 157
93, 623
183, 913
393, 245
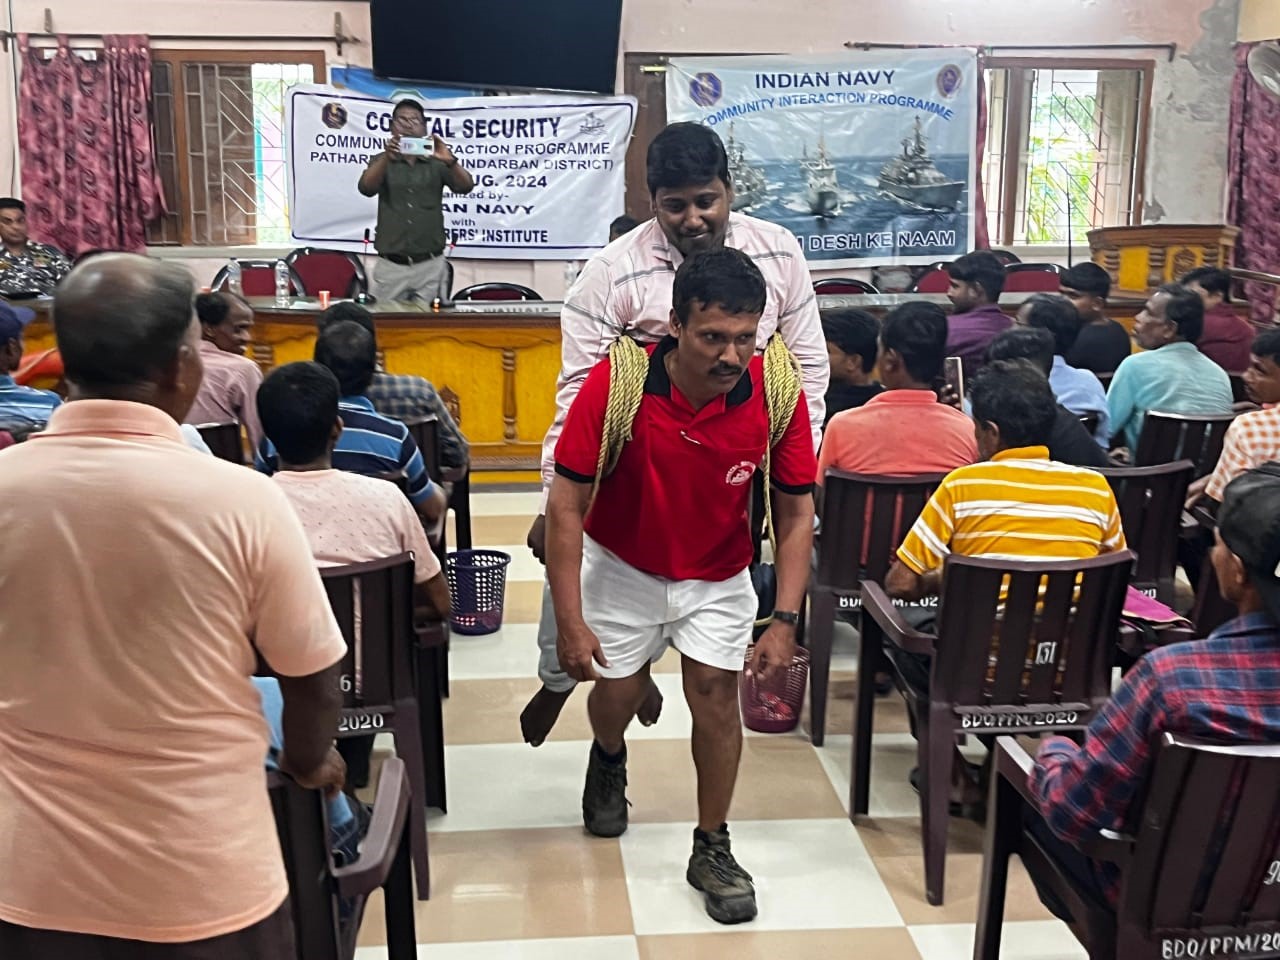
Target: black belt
408, 259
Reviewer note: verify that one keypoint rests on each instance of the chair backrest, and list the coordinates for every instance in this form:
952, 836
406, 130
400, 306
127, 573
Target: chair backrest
338, 271
1203, 875
1105, 379
258, 279
373, 604
935, 279
426, 434
1051, 641
842, 285
1175, 436
303, 828
1151, 501
864, 520
496, 291
1007, 257
1032, 278
1238, 392
223, 440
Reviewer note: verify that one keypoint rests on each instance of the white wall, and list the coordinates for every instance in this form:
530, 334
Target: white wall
1186, 167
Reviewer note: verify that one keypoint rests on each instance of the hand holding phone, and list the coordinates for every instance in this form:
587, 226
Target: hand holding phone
953, 374
416, 146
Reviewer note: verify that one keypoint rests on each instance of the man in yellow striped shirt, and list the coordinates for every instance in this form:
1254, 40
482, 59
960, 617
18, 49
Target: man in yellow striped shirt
1017, 504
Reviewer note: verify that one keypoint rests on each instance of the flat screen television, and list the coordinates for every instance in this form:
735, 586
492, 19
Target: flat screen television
499, 44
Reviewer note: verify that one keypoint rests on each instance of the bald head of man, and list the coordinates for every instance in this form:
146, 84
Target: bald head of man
127, 330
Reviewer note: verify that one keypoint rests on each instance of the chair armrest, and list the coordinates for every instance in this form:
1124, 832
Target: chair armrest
1014, 765
430, 633
454, 474
378, 849
877, 603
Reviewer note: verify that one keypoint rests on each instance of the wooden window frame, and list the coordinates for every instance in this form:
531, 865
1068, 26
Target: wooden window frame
1015, 131
177, 59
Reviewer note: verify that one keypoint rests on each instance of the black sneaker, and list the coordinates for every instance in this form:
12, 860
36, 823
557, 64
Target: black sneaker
730, 894
604, 797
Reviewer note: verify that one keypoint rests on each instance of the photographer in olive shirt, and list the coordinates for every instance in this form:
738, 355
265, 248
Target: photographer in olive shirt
411, 240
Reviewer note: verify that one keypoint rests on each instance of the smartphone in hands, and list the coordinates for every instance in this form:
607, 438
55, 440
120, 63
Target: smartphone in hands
953, 374
417, 146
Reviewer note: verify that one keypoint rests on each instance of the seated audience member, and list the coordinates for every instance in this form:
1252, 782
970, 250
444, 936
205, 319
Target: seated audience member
1017, 504
1253, 438
904, 430
26, 266
1103, 343
23, 410
977, 280
1227, 336
1225, 689
134, 602
1170, 375
402, 396
1080, 391
348, 518
622, 225
851, 346
371, 444
231, 379
1069, 441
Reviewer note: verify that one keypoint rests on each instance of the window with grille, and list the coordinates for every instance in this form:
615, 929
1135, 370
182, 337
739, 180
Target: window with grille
219, 138
1065, 148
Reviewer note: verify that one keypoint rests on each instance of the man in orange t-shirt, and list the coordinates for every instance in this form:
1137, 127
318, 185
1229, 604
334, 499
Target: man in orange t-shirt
904, 430
140, 582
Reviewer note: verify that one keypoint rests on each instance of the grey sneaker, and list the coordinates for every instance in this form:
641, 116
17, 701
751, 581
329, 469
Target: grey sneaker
604, 796
730, 894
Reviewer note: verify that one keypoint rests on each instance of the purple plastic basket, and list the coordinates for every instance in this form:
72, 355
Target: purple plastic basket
773, 705
477, 587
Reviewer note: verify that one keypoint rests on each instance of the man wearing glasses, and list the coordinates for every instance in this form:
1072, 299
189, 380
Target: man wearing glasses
411, 239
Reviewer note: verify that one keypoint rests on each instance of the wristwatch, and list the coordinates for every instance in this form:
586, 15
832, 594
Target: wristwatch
787, 616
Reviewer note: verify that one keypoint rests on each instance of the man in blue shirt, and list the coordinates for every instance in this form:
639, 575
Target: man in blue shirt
23, 410
1171, 375
1079, 391
370, 443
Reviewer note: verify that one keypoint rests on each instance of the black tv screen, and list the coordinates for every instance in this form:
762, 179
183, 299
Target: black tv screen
499, 44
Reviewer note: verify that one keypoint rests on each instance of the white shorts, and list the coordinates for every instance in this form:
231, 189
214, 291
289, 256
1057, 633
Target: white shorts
633, 614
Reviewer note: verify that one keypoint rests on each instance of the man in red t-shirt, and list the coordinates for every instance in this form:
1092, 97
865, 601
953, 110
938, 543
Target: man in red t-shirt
663, 550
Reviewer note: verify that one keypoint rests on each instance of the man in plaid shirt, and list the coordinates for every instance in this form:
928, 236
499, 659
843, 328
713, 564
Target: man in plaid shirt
1225, 688
405, 397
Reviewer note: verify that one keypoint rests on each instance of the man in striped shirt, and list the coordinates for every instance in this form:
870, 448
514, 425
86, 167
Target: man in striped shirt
370, 443
1016, 504
23, 410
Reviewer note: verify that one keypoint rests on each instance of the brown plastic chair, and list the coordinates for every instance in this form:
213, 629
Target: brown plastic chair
373, 604
426, 433
1167, 437
1151, 501
846, 286
864, 520
315, 885
1197, 877
1044, 665
223, 440
497, 291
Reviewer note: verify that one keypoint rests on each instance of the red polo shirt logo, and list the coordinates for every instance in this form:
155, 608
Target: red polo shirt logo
676, 504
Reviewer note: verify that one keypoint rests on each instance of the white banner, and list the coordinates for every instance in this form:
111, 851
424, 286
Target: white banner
548, 169
867, 157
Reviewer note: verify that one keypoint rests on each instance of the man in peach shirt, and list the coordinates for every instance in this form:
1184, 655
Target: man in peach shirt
140, 581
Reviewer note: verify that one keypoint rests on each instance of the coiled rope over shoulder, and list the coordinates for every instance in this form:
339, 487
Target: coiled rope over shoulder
628, 369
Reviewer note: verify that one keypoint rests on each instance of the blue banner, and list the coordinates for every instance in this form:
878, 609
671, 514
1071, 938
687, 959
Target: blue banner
868, 158
362, 80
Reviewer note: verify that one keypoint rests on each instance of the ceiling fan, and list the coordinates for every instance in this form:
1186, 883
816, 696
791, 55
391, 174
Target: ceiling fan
1264, 66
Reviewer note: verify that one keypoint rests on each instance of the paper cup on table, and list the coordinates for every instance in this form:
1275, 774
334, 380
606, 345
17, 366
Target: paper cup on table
324, 299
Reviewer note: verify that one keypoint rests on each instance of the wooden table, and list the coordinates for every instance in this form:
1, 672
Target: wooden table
494, 362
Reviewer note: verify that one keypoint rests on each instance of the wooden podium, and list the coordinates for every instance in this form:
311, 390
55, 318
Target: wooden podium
1139, 259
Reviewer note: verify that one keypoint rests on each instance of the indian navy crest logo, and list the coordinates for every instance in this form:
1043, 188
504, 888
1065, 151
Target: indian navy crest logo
950, 79
593, 126
706, 89
334, 116
740, 474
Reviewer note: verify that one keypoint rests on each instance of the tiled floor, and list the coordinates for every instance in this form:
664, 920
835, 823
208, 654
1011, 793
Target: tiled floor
515, 877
